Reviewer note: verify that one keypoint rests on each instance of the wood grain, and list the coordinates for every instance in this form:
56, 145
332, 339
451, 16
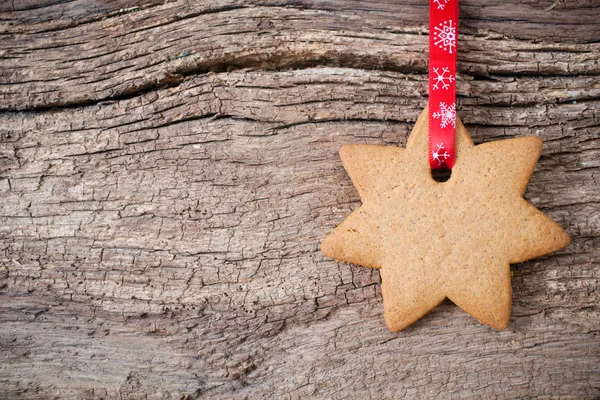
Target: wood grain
168, 170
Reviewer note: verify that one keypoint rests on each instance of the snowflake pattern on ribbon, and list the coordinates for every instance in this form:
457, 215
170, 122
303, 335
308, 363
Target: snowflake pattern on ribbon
447, 115
438, 156
441, 3
442, 79
443, 46
445, 36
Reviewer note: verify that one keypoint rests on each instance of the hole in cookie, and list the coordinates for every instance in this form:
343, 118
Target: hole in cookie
441, 175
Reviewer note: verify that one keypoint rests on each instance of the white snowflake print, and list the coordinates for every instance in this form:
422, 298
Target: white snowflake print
442, 81
438, 155
447, 115
445, 36
441, 3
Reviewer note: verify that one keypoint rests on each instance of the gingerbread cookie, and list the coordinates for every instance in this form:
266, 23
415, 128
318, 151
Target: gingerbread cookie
455, 239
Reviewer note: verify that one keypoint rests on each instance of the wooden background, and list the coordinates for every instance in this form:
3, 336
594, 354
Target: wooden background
169, 168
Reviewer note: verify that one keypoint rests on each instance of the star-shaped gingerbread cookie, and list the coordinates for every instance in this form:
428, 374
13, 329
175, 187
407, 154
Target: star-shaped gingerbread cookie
455, 239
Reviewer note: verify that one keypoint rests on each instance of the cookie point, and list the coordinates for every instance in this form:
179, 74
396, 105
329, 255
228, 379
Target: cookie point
500, 323
326, 247
393, 327
503, 322
345, 150
329, 247
537, 143
395, 324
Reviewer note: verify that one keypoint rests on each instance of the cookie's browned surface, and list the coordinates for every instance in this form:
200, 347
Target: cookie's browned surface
169, 169
452, 239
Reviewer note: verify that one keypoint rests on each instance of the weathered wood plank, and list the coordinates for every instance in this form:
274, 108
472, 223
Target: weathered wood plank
106, 59
159, 239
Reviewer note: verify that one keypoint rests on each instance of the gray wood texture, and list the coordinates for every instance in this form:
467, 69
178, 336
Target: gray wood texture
169, 168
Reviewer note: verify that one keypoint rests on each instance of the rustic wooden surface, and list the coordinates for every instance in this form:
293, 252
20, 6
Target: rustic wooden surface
168, 169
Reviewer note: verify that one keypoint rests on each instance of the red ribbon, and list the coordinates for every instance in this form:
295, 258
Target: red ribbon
443, 38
